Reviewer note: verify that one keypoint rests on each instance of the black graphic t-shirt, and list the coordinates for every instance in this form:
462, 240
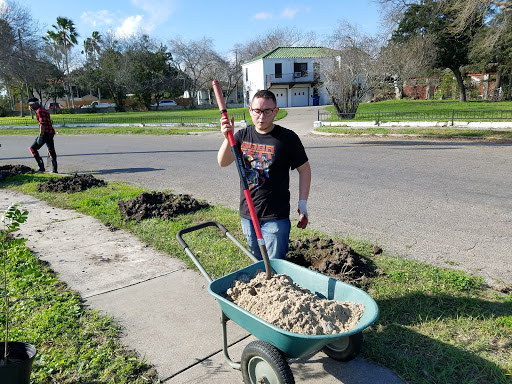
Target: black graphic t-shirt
268, 159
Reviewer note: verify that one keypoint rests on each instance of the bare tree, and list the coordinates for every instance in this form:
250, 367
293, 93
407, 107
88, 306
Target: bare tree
274, 38
198, 60
351, 73
392, 12
18, 48
400, 62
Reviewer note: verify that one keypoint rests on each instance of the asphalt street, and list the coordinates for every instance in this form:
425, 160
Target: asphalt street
447, 203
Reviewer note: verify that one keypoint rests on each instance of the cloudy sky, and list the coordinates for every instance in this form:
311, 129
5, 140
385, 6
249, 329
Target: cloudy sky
227, 22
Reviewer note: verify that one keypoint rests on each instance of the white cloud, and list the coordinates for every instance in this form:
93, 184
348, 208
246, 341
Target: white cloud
158, 12
130, 26
99, 18
262, 16
289, 13
3, 6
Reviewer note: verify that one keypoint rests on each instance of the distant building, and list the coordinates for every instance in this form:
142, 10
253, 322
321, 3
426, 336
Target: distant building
484, 83
425, 88
291, 73
420, 88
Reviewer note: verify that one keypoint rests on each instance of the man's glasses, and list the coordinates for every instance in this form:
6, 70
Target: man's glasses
266, 112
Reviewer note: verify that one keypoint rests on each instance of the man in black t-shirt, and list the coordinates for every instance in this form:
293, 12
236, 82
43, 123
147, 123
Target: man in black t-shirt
268, 152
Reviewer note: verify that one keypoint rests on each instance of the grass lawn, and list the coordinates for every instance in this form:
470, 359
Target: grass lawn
435, 325
123, 117
370, 114
431, 105
132, 130
430, 110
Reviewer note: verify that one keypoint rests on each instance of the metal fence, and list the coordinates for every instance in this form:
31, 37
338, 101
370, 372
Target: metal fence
503, 115
122, 120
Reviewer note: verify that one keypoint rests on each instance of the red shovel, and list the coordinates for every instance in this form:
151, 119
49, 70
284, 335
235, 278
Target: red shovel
243, 179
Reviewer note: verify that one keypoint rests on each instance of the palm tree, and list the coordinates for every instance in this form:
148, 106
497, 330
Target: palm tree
65, 37
92, 46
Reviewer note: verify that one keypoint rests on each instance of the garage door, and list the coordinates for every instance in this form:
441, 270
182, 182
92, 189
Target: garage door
281, 97
299, 97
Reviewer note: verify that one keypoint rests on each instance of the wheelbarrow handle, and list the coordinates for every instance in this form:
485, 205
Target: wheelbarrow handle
224, 231
196, 228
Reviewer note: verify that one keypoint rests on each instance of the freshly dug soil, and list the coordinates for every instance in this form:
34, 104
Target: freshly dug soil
158, 204
332, 258
288, 306
13, 170
76, 183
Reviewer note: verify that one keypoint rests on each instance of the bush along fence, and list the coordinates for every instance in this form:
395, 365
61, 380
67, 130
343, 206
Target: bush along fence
121, 121
448, 116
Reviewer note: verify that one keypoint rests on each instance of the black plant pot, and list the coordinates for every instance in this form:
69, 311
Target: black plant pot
20, 359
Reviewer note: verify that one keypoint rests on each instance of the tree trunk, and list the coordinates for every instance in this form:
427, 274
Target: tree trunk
22, 108
460, 83
399, 90
509, 85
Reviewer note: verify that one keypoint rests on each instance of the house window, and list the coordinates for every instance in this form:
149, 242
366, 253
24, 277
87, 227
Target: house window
246, 74
301, 68
279, 70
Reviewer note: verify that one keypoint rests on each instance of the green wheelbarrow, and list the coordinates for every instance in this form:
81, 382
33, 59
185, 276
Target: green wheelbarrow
267, 359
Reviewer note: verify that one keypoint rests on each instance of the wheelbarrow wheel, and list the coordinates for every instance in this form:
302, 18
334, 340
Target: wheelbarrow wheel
264, 363
345, 348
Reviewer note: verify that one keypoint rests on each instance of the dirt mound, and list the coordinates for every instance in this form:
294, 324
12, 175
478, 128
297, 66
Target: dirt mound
158, 204
76, 183
13, 170
332, 258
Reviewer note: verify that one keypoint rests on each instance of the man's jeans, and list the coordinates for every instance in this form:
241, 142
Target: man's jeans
275, 233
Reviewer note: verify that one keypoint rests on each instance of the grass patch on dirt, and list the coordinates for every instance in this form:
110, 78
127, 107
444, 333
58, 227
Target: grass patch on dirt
436, 325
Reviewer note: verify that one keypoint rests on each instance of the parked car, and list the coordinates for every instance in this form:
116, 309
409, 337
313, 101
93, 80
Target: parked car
164, 103
95, 104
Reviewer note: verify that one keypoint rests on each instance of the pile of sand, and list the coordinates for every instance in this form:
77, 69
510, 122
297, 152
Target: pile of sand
286, 305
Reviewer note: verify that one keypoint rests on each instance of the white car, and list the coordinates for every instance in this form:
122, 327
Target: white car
96, 104
164, 103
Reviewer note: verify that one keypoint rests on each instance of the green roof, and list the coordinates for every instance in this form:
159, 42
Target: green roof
294, 53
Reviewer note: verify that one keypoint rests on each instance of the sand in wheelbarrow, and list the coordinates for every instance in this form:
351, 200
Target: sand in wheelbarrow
333, 258
13, 170
288, 306
70, 184
158, 204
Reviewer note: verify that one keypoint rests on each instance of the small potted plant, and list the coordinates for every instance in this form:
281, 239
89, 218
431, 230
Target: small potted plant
16, 358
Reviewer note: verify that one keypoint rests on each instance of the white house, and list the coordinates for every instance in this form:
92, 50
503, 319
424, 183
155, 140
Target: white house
292, 73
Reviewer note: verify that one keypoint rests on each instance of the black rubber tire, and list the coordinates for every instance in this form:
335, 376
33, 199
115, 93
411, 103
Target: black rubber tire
261, 360
345, 348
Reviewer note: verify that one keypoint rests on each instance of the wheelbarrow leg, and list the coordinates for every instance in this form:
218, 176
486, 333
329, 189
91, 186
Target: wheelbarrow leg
224, 320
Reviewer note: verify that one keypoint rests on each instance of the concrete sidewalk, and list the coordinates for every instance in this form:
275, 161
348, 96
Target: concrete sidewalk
166, 312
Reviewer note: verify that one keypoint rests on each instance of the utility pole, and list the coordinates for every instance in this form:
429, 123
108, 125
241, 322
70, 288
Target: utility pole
22, 110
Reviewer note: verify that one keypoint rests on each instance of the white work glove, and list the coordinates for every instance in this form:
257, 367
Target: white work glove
303, 214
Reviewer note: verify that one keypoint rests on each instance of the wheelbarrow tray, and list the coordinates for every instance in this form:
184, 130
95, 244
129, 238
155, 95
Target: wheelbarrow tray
293, 345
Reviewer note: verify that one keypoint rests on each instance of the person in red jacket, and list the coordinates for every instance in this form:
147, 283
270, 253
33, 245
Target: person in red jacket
46, 134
